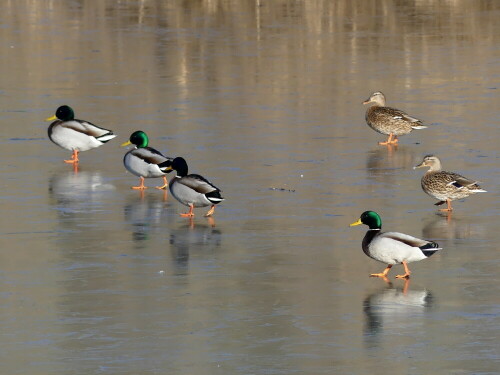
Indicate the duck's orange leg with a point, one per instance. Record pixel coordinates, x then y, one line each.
449 208
211 211
190 213
165 184
390 140
74 158
141 186
407 271
383 273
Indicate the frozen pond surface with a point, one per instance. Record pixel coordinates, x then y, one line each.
264 99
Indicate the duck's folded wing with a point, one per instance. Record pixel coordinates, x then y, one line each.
404 238
150 155
398 114
198 183
460 181
85 128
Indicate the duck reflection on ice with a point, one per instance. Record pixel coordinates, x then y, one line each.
144 213
78 192
381 162
394 309
190 237
449 226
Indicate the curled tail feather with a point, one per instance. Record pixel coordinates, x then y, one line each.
430 248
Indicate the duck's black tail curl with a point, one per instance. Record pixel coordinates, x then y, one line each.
214 196
430 248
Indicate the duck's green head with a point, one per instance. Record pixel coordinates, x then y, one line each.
138 138
370 218
63 113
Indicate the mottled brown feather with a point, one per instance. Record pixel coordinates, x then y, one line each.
387 120
438 184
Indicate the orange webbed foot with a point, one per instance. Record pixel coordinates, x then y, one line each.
405 276
74 158
164 186
210 212
392 140
382 274
141 186
189 213
407 271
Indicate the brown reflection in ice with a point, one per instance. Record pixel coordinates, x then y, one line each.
452 226
383 163
394 309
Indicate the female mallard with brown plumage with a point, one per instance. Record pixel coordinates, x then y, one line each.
445 186
392 247
389 121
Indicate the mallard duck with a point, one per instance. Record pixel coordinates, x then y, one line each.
445 186
144 161
193 190
76 135
389 121
392 247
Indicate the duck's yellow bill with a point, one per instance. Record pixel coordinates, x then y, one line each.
51 118
126 143
356 223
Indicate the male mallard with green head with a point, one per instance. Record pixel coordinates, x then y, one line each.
389 121
144 161
76 135
445 186
392 247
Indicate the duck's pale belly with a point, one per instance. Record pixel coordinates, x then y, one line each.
187 196
73 140
389 251
141 168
